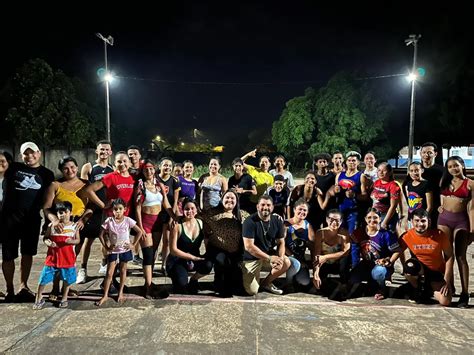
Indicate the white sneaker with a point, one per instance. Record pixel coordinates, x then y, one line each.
103 270
81 276
272 289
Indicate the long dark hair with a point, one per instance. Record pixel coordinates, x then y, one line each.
236 210
447 177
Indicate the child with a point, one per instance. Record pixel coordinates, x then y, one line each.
279 194
60 258
118 246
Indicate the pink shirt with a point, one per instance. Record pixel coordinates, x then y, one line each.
119 233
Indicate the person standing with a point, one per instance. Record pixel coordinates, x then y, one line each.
25 185
433 173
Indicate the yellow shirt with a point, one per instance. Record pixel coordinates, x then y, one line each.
263 180
78 206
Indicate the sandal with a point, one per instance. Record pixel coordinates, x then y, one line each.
53 298
63 304
379 297
39 305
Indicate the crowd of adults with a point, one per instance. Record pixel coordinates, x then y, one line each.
338 234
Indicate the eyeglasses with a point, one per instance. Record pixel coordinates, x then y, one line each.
331 220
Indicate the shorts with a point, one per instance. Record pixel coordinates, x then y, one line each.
150 222
251 274
122 257
454 220
19 229
92 227
164 217
48 273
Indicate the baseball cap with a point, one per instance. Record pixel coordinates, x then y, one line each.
279 178
28 145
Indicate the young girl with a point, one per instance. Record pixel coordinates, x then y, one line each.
60 258
118 246
417 190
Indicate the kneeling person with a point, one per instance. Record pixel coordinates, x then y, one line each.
432 257
261 232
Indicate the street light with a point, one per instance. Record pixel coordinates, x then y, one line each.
108 78
412 39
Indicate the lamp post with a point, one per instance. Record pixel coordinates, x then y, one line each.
107 77
412 39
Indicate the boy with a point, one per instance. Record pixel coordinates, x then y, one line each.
279 194
60 258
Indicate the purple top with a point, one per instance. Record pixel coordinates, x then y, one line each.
188 188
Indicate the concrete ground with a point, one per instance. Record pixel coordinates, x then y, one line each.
293 323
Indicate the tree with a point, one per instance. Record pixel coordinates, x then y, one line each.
45 109
293 132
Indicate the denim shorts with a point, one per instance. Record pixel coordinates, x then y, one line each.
122 257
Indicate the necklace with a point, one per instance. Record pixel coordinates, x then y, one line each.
265 231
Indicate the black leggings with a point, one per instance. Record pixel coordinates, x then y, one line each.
227 274
178 272
340 267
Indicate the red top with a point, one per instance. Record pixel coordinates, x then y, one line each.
63 255
461 192
428 248
117 186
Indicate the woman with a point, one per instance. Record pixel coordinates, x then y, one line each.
386 196
185 242
188 184
309 192
417 190
243 184
223 226
374 251
299 237
5 160
212 185
279 164
150 200
331 250
456 216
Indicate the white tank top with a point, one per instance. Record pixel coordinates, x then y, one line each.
152 198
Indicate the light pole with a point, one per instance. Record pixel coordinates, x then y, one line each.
412 39
107 77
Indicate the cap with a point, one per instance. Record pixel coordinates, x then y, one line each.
28 145
353 153
279 178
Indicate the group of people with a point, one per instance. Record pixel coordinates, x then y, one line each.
341 231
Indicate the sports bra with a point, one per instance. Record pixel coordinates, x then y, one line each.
152 198
461 192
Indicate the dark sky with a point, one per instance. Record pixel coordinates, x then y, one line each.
271 52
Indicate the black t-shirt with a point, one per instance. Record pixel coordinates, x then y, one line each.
246 182
265 234
417 195
280 200
434 175
25 187
315 214
171 185
324 182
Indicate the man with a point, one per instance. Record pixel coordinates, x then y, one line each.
325 179
432 258
93 172
433 174
261 232
135 171
25 183
337 160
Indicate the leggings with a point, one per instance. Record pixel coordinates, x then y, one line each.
178 271
298 274
227 273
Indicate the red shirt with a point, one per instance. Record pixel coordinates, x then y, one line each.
383 193
118 186
63 255
428 248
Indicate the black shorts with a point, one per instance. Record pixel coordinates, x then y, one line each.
92 227
164 217
19 229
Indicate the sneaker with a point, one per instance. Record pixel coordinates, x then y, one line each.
272 289
103 270
81 276
137 260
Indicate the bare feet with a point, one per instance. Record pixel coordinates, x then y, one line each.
121 298
101 301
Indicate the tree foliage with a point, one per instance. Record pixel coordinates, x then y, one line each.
45 108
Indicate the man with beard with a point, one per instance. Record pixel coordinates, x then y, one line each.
263 231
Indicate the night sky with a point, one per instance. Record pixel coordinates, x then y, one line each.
270 52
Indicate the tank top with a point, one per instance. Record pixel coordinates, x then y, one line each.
62 195
188 188
186 244
152 198
211 193
461 192
296 240
330 249
349 183
63 255
96 174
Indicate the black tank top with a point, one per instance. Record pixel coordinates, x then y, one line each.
96 174
186 244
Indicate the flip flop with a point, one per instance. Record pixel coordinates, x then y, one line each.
53 298
63 304
39 305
